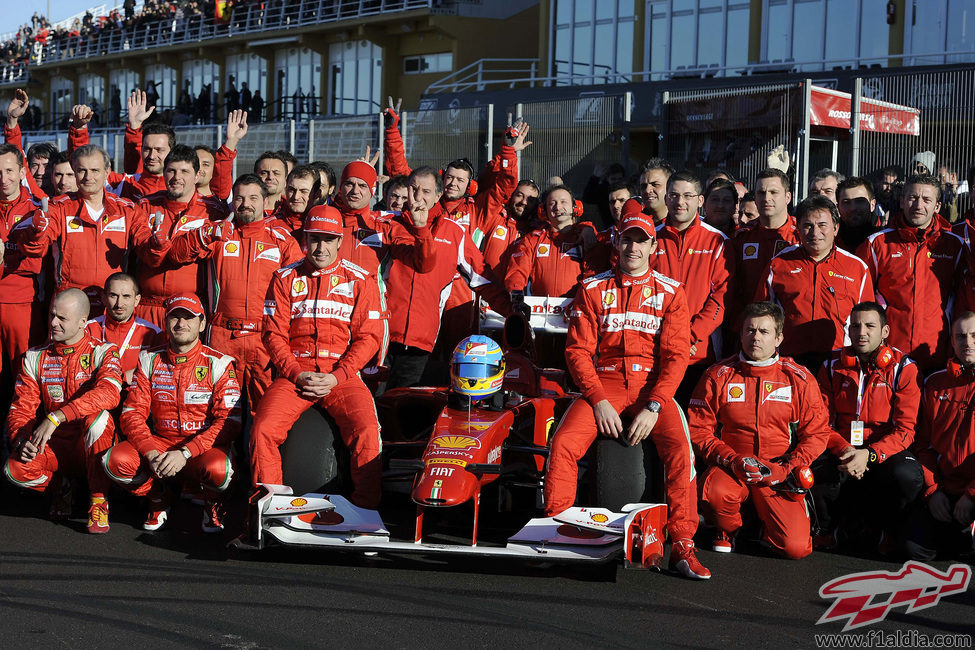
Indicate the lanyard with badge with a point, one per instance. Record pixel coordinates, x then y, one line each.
856 426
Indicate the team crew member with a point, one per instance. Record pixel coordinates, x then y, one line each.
634 321
522 206
872 395
92 231
302 191
145 150
856 203
40 153
721 205
182 210
179 419
242 260
416 299
824 183
653 187
946 449
120 326
273 170
915 267
773 232
767 410
322 324
692 252
59 423
19 280
552 260
816 284
62 176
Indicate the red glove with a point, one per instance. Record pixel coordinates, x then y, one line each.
40 221
746 469
778 473
512 132
220 231
390 118
159 235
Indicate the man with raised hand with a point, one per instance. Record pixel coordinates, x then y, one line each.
39 161
59 425
627 350
757 418
322 325
177 210
91 231
242 257
179 419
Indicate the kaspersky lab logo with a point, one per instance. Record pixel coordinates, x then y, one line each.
865 598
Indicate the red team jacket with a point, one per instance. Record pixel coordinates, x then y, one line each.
885 400
80 379
754 247
322 320
18 282
189 400
946 435
545 263
131 337
634 324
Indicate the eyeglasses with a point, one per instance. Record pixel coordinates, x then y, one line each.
673 196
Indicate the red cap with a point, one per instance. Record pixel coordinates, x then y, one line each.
360 169
188 301
324 219
638 220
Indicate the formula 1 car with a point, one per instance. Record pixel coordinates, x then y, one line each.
447 453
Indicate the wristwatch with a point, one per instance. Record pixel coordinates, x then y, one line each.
872 458
653 406
186 453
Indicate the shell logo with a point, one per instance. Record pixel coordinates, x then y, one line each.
543 249
609 298
297 503
751 249
299 285
74 224
500 232
455 442
599 518
231 247
736 392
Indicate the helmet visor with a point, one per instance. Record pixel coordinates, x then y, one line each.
476 370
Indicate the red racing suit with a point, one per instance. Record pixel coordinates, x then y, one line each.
86 251
175 401
886 400
160 276
817 298
416 300
627 343
547 263
771 411
946 433
325 321
754 247
293 223
698 259
83 381
914 275
19 290
239 273
131 337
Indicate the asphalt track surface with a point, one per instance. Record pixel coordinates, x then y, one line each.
179 588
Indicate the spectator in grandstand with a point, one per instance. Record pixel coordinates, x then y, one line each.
301 193
552 260
627 354
272 169
915 266
415 298
177 210
872 394
653 186
257 106
720 205
772 233
245 97
752 411
942 521
816 284
824 183
855 200
693 253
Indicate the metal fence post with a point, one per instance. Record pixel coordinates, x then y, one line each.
625 135
311 140
490 132
518 154
382 151
855 127
802 171
291 136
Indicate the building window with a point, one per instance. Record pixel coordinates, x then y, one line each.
248 74
164 80
91 91
297 83
424 63
592 41
696 35
356 78
62 97
201 84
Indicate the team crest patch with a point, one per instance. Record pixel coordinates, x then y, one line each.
55 393
200 372
776 392
86 361
749 252
781 246
475 349
736 392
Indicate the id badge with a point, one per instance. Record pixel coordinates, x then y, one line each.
856 433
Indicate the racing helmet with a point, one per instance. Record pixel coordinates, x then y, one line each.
477 367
